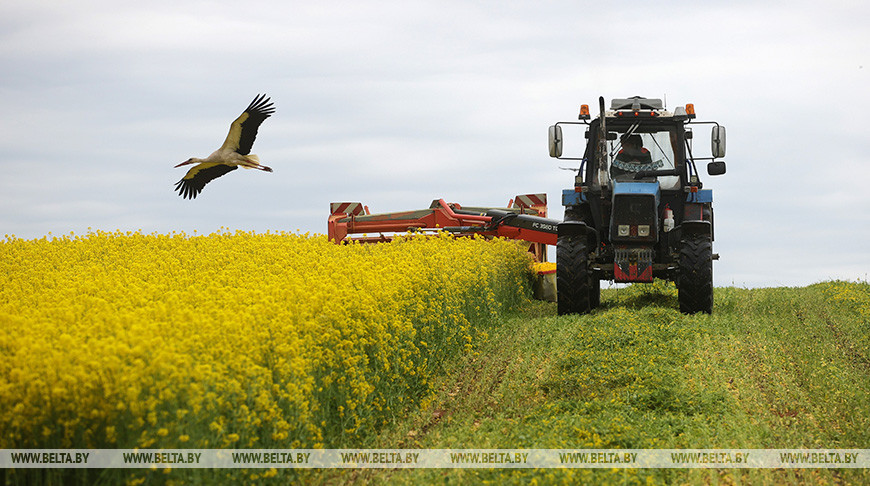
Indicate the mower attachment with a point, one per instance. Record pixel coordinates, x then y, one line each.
524 219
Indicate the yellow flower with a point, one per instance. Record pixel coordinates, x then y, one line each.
288 340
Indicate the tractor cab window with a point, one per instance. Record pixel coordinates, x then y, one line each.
636 149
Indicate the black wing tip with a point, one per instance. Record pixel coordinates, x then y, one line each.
186 190
261 105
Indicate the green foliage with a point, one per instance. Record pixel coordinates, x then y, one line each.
770 368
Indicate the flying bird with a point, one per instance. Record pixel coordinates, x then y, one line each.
235 152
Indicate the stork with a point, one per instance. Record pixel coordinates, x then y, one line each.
235 152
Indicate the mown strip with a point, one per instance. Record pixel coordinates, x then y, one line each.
771 368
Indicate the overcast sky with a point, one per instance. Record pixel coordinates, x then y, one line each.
395 104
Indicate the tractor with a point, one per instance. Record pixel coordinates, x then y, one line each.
637 210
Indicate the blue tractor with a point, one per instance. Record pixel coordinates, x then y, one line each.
638 210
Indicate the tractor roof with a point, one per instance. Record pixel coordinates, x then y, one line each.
640 108
636 103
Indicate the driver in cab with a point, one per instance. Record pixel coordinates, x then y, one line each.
631 159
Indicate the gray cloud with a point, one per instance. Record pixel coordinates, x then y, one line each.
397 103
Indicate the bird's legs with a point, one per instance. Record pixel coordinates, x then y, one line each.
253 164
261 167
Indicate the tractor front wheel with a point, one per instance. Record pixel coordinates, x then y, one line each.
695 282
573 282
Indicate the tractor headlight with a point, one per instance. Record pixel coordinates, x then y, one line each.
623 230
643 230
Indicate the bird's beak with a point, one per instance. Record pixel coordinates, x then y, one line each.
183 163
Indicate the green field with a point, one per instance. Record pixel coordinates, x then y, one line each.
771 368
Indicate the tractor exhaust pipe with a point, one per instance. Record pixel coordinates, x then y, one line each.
602 144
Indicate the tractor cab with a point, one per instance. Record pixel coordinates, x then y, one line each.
638 139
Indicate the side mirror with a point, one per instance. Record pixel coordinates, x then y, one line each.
555 137
716 168
717 141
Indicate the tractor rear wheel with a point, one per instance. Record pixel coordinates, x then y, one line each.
573 282
695 282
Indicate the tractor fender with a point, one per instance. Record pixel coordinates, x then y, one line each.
578 228
692 228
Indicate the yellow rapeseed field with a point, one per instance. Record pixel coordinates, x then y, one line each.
234 339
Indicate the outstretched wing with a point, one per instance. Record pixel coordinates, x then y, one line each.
198 176
243 131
